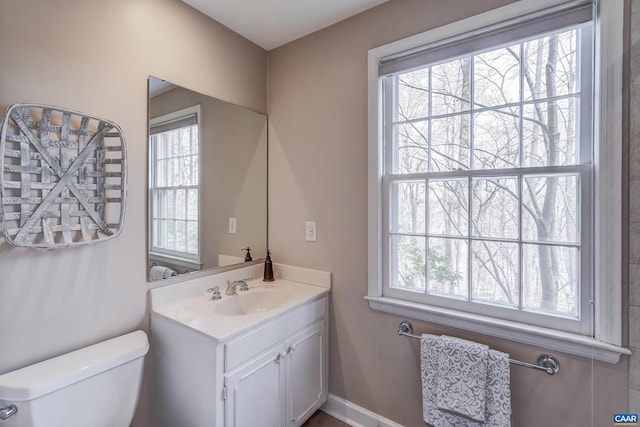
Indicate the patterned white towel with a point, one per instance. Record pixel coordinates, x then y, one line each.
497 391
159 272
429 355
462 378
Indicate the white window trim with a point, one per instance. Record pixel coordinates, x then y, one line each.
605 345
194 263
174 261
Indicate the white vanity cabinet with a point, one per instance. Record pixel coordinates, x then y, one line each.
281 386
267 372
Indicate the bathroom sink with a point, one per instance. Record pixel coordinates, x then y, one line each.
250 302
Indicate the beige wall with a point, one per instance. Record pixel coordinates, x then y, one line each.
95 56
318 171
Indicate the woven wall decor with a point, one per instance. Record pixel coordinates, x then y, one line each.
63 177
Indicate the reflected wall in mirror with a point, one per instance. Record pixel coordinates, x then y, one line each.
207 182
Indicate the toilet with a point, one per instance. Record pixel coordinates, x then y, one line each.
95 386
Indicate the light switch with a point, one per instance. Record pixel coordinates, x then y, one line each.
232 225
310 227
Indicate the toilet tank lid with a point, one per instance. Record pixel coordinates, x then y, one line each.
44 377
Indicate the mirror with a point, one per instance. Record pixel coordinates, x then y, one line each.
207 182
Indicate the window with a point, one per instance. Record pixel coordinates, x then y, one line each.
484 156
174 185
488 159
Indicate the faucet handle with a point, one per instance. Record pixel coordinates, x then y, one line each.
215 293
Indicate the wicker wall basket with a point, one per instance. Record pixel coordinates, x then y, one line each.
63 177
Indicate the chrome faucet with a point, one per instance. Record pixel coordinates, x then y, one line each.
231 287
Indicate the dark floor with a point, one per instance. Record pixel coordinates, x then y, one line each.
320 419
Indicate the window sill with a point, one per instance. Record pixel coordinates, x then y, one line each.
575 344
178 261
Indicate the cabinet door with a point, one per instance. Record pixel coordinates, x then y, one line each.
306 376
255 392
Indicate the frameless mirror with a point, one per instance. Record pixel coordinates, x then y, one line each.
207 182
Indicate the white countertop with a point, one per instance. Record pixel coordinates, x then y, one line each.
190 304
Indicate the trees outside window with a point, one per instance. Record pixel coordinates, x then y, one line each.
487 172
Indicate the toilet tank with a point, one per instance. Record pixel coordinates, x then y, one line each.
95 386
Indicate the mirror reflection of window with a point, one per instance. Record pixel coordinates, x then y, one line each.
228 159
175 185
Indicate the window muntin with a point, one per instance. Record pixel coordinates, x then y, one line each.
174 189
487 172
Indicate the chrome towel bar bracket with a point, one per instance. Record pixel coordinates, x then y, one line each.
546 362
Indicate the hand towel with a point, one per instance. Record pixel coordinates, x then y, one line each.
462 378
429 351
497 393
159 272
498 413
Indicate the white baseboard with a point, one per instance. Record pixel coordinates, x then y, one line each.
354 415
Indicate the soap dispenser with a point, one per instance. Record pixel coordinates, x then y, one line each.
268 268
247 257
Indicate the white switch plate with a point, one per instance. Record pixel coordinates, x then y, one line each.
232 225
310 227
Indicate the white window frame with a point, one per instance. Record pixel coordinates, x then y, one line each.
605 344
183 259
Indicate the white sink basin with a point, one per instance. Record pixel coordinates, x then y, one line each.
252 301
190 304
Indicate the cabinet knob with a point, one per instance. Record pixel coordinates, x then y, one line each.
280 356
291 349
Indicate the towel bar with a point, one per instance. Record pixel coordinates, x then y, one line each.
546 362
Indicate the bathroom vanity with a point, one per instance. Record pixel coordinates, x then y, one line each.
256 358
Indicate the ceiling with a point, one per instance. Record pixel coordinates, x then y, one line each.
272 23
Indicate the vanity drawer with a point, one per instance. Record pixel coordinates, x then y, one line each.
272 333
